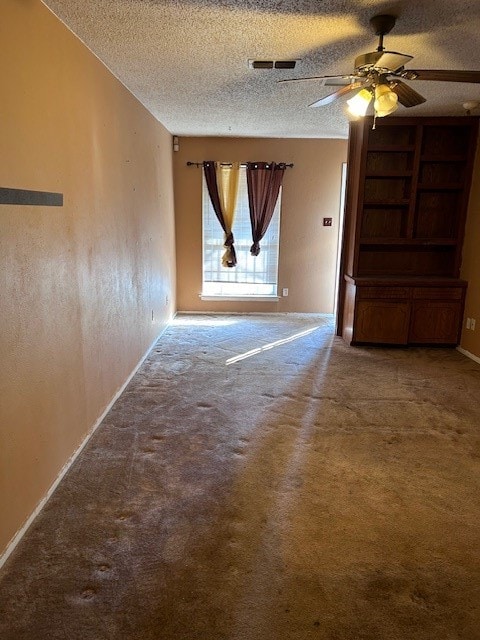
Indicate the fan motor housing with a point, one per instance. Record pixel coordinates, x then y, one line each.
381 62
368 61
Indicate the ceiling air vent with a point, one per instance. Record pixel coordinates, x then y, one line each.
272 64
285 64
260 64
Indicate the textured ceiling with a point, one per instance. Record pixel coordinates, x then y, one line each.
187 60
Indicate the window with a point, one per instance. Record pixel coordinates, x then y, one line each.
253 276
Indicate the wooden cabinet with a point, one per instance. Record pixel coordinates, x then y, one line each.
382 322
403 312
407 194
434 322
437 314
382 314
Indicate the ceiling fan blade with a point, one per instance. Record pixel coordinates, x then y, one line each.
337 94
341 81
326 79
406 95
442 75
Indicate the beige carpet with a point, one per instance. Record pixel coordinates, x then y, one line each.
308 490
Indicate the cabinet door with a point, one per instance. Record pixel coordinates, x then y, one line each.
382 322
435 322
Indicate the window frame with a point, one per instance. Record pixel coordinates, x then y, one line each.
266 246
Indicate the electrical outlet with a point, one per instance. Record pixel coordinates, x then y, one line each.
472 324
153 318
285 292
468 323
327 222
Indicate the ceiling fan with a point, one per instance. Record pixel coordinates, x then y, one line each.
379 75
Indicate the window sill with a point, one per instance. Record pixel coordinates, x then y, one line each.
241 298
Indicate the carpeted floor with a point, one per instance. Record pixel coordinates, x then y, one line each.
308 490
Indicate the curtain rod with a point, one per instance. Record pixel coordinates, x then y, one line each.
229 164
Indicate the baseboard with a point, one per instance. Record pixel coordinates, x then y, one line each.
468 354
21 532
253 313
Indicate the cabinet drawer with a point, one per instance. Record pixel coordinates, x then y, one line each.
383 293
438 293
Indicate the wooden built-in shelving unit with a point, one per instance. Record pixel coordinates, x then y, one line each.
407 195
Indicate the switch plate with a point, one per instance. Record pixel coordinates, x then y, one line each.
467 323
285 292
472 324
327 222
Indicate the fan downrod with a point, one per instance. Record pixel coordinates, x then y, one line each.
381 25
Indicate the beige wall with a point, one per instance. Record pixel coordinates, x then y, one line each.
78 283
307 250
471 264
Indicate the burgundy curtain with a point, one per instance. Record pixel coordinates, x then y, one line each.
212 186
264 180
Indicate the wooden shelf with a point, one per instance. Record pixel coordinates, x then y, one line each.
392 148
414 242
430 186
387 203
407 195
389 174
441 158
414 281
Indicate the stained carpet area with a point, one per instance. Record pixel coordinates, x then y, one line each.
260 480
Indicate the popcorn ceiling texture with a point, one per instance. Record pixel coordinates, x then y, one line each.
186 60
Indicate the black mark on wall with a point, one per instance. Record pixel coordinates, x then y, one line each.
25 196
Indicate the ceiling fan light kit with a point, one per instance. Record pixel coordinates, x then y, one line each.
469 105
381 74
386 101
358 105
